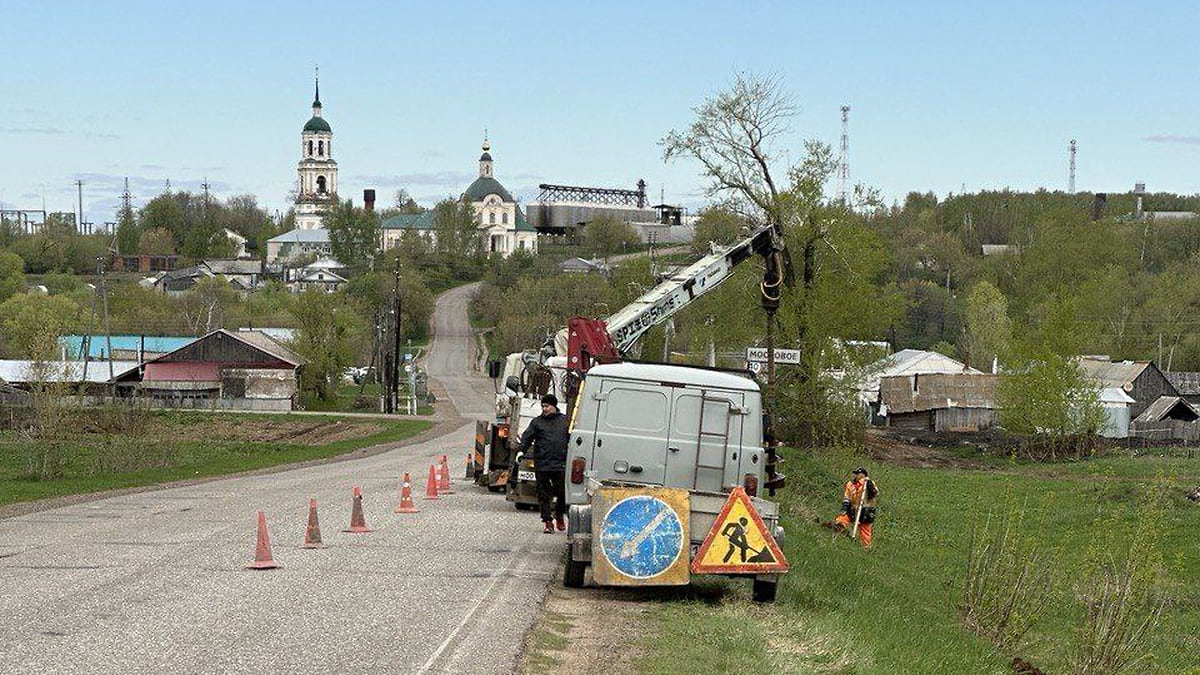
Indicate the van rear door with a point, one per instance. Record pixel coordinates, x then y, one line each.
706 439
632 431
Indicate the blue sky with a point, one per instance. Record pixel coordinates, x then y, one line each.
943 94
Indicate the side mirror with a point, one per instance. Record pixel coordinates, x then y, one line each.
494 368
513 384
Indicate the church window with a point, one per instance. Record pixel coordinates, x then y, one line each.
321 184
504 218
492 218
320 148
310 148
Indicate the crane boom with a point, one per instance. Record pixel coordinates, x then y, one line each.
673 294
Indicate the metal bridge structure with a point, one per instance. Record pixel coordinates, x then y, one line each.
591 195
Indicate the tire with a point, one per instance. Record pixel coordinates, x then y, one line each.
574 571
764 591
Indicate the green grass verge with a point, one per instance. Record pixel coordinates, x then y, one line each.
893 609
92 462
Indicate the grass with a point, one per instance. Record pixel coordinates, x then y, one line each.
179 445
893 609
348 394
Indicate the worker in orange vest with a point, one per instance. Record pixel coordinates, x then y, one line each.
859 498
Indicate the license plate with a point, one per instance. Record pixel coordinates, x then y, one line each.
526 475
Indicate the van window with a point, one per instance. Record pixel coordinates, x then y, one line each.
636 410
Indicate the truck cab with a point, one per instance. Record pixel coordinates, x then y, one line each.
655 425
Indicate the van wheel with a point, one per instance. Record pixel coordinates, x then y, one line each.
764 591
573 574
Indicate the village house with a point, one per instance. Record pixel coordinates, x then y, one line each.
939 401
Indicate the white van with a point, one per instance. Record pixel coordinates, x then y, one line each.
640 424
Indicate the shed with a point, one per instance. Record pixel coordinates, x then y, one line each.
1187 385
245 370
907 362
1169 408
1115 403
1142 380
939 401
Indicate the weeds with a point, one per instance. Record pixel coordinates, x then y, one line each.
1005 583
1124 599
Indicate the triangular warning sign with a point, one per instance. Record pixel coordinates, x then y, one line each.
739 542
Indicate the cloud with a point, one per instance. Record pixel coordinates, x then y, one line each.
99 135
30 195
1177 139
47 131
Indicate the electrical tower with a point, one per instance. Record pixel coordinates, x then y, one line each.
844 165
1071 173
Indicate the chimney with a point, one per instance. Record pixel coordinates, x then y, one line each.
1098 204
369 200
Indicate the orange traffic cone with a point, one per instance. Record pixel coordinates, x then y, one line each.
406 504
262 550
358 524
312 533
431 484
444 477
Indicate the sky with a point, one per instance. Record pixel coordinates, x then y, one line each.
944 96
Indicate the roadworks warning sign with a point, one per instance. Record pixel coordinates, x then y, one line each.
739 542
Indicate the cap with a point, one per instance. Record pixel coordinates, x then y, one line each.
550 399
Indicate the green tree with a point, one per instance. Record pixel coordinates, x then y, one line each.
988 333
32 324
720 225
327 335
12 274
457 229
155 240
606 236
353 235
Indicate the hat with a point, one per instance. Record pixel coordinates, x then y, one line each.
861 470
550 399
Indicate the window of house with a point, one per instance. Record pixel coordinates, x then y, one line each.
492 218
320 148
321 184
504 218
310 148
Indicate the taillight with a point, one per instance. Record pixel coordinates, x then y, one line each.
577 465
750 483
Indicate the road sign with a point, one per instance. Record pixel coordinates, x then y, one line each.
739 542
755 367
642 538
788 357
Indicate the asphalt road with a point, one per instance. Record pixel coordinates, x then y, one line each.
155 581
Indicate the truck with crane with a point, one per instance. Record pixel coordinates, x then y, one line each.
700 432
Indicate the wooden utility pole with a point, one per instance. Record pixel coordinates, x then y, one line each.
395 374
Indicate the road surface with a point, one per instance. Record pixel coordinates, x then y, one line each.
154 582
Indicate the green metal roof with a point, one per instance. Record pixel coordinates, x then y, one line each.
522 224
409 221
484 186
317 124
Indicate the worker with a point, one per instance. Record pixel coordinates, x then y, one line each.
547 433
859 486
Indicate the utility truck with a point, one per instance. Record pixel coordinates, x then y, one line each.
675 446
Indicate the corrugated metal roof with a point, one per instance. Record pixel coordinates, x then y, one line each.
24 372
238 266
1111 396
908 362
318 235
915 393
268 345
1169 407
98 347
1112 373
182 371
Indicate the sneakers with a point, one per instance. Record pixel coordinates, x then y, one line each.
549 528
561 523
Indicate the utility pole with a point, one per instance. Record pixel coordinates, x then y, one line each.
844 164
1071 172
79 221
396 340
107 326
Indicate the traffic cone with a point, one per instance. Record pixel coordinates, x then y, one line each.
431 484
358 524
262 550
312 533
444 477
406 504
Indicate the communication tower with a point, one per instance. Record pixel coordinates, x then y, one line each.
1071 173
844 165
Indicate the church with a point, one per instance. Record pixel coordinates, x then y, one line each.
502 225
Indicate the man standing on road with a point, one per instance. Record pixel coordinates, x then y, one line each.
547 433
860 490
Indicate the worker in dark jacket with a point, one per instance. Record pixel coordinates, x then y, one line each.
547 433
